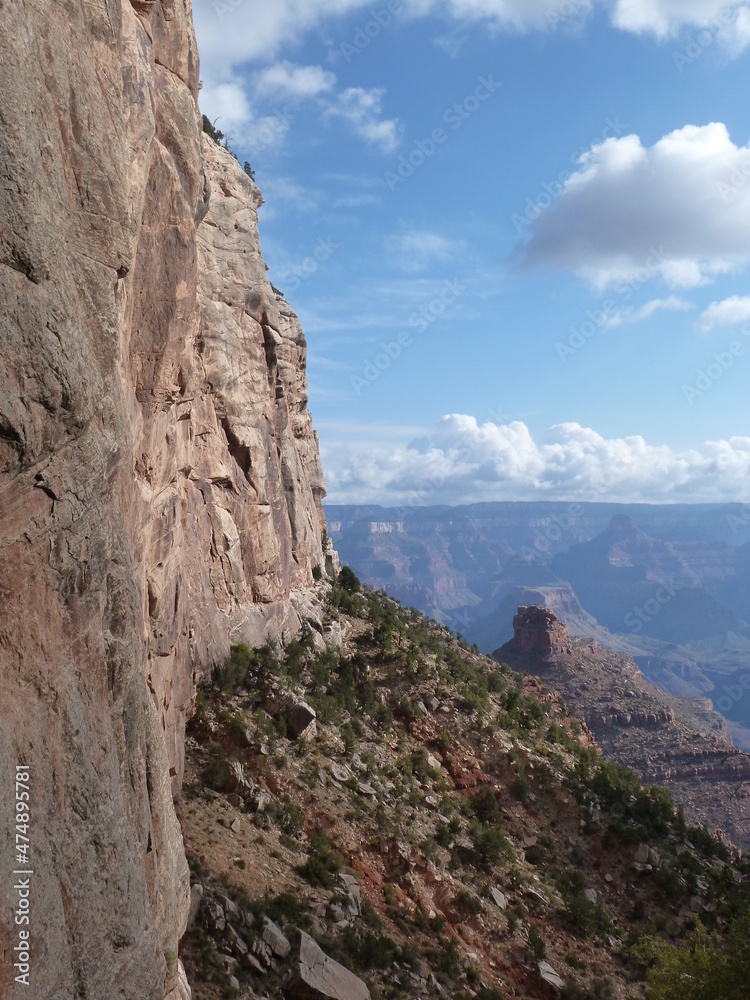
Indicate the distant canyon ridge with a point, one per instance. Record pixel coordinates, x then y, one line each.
669 585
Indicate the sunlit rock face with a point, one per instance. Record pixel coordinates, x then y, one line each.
160 486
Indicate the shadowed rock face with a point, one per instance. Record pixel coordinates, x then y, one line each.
159 478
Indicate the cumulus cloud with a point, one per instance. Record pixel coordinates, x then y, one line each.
729 312
362 108
296 81
631 210
462 461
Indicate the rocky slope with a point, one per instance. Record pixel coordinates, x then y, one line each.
668 585
679 743
160 486
440 826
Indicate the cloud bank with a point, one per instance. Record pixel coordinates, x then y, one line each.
461 461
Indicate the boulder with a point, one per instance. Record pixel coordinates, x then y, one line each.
238 783
499 899
298 715
550 977
318 977
641 854
196 898
214 916
351 887
275 939
230 908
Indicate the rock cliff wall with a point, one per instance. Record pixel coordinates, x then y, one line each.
160 486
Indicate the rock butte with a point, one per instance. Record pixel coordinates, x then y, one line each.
160 485
680 743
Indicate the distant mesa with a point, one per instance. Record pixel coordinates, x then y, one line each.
538 632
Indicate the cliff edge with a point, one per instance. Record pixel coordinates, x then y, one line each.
160 486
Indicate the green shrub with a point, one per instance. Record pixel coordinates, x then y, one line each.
706 967
211 131
369 949
234 671
291 818
489 842
216 772
323 863
485 806
536 943
520 786
585 917
348 581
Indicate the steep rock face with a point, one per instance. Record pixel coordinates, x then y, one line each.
159 480
227 467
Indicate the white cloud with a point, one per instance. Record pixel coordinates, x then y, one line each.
419 249
362 109
729 312
628 316
283 87
665 18
630 212
285 78
228 105
461 461
235 31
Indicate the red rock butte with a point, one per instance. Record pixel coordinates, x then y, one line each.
539 632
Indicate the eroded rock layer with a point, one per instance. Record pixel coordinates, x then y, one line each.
159 478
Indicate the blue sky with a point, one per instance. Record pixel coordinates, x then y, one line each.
517 233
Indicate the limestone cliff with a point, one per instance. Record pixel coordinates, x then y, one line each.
160 486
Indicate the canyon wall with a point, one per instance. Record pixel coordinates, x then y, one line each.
160 486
